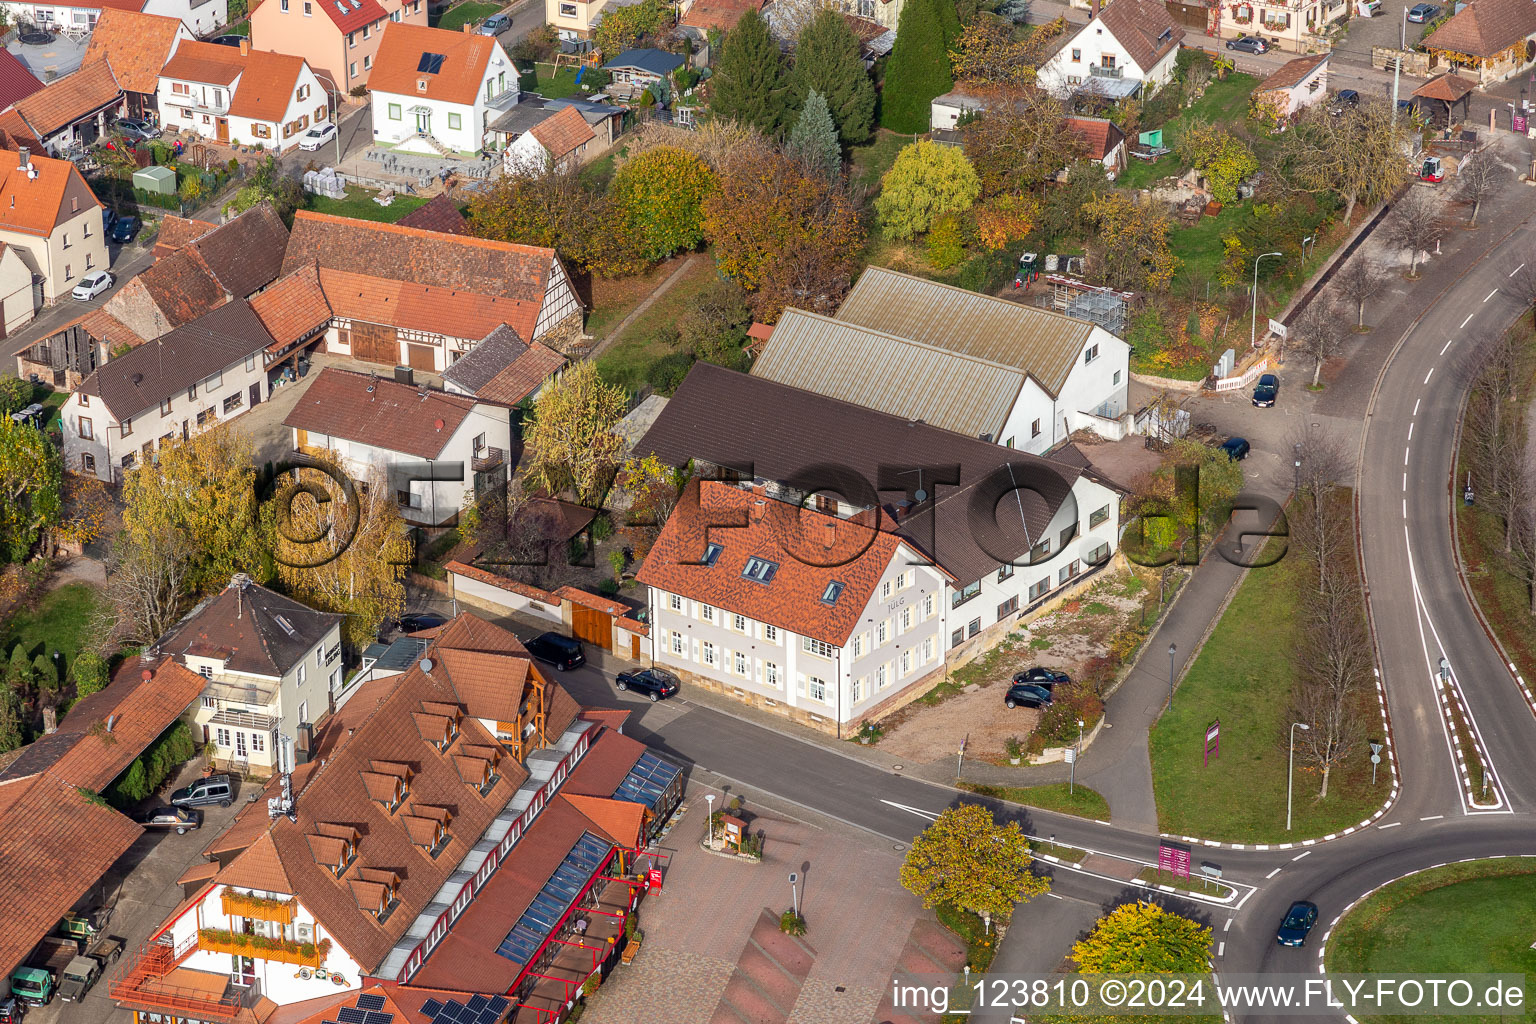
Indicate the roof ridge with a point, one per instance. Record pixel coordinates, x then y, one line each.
475 240
1000 302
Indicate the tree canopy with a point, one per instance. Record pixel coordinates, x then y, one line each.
966 859
918 68
553 208
659 196
926 181
31 479
828 61
813 139
748 84
1144 938
571 442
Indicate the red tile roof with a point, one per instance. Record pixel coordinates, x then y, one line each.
180 284
70 99
1293 72
422 307
204 62
1485 28
605 766
621 820
138 45
479 575
719 14
35 206
848 552
351 17
176 232
16 82
1449 87
440 213
371 410
1144 28
502 368
1099 135
293 308
467 56
267 85
564 133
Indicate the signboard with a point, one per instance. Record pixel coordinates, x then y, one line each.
735 828
653 878
1174 860
1519 122
1212 740
1277 328
1070 756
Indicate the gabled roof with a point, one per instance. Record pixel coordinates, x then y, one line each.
432 63
1485 28
412 420
138 45
142 378
35 206
1144 28
16 82
1449 88
1042 343
502 368
70 99
258 632
176 232
440 213
181 286
856 556
777 433
244 254
563 133
422 307
1294 72
293 308
352 15
396 253
657 62
100 326
880 371
1099 135
208 63
719 14
267 86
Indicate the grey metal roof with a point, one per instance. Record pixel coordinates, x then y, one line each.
890 374
1041 343
657 62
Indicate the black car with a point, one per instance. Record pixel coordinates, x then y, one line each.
557 650
125 230
1266 390
650 682
1237 448
1345 99
164 819
1297 924
1027 695
108 218
417 623
229 40
1248 44
1045 678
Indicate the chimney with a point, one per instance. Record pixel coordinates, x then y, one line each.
468 28
23 157
245 44
1095 8
758 508
829 535
50 720
760 489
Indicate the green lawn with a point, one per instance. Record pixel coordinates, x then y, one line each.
359 204
555 86
1224 101
627 361
58 623
1199 248
1472 918
874 158
1242 676
469 13
1084 802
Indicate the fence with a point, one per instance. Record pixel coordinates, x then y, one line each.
1243 379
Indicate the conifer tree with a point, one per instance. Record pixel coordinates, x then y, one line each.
827 60
813 139
748 85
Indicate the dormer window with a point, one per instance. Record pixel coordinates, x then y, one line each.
712 555
388 901
439 839
348 855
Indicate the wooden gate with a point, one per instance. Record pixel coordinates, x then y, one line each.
375 343
593 626
420 357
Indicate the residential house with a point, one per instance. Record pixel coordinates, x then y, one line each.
834 595
1295 25
1102 141
68 114
435 451
337 38
81 17
642 68
705 16
575 19
503 369
1020 376
438 91
407 297
1487 40
272 667
1128 48
440 213
237 95
1295 86
17 305
296 313
51 219
605 119
563 140
194 377
63 839
234 260
137 46
946 111
71 353
415 847
16 82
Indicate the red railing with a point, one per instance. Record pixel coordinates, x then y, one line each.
150 963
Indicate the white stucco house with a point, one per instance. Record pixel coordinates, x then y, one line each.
438 91
1015 375
1128 48
1296 85
240 96
201 16
432 448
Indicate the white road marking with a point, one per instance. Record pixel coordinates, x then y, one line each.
1428 375
1416 402
1406 451
1517 270
1273 873
1410 431
1447 345
1405 481
1054 896
1303 853
1437 817
1393 825
1405 508
1490 295
1221 949
1464 322
1228 926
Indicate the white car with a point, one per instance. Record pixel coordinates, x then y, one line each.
93 284
317 136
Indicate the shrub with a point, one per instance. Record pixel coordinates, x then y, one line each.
1072 702
791 923
945 246
666 374
358 91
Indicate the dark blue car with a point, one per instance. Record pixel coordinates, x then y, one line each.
1266 391
1297 924
1237 448
651 682
1027 695
125 230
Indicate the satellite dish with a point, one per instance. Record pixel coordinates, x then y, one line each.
426 664
919 495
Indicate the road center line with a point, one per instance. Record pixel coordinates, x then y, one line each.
1517 270
1490 295
1228 926
1405 508
1447 345
1416 402
1406 451
1437 817
1405 481
1221 949
1393 825
1464 322
1303 853
1273 873
1410 431
1428 375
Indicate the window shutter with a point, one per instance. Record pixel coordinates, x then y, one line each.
800 683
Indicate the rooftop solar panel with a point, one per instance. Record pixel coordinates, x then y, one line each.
350 1015
431 63
371 1001
379 1018
430 1008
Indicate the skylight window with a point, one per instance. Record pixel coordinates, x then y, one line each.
431 63
760 569
712 554
832 593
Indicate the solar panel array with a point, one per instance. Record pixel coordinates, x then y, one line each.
371 1001
364 1014
647 780
477 1010
525 938
431 63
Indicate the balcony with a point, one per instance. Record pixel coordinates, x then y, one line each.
194 102
504 100
259 947
257 908
152 979
1101 72
487 459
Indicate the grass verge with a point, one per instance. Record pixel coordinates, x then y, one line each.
1152 876
57 623
358 204
1070 854
981 942
1462 918
1082 801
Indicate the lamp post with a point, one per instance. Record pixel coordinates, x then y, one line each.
1173 649
1253 327
794 892
709 798
1290 773
1072 779
1397 64
1296 450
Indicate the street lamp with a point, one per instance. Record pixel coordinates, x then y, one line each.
709 798
1173 649
1253 328
1290 774
1072 779
1397 63
1296 488
794 892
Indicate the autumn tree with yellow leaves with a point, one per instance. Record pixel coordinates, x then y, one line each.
965 859
571 443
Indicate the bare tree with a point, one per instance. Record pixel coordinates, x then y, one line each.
1318 331
529 545
1360 280
1476 180
145 582
1522 281
1333 663
1495 437
1320 518
1415 225
1522 549
1357 156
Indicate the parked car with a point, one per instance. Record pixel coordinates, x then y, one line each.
557 650
495 25
135 128
108 218
317 136
1345 99
215 789
1420 13
1044 678
125 230
1266 391
164 819
1237 448
1248 44
1298 922
1027 695
229 40
12 1010
420 622
651 682
93 284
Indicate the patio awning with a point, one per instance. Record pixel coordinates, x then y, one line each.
1110 88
